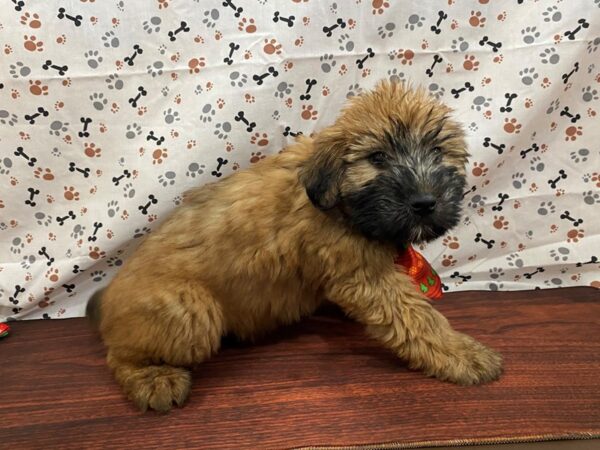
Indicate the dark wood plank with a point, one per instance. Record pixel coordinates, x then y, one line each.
315 383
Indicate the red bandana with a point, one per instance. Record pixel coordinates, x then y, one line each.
423 275
4 329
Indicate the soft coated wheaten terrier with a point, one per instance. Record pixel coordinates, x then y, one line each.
265 246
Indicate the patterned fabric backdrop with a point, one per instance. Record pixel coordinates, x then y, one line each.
109 111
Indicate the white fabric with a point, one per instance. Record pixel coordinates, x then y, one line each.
192 97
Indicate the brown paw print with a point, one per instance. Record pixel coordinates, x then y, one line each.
220 103
476 19
500 223
195 64
343 69
479 169
8 49
451 242
512 126
308 113
218 35
448 261
325 91
32 44
96 253
256 157
191 144
235 166
299 42
572 133
159 155
260 139
305 21
471 63
52 275
405 56
379 6
575 234
33 20
502 16
91 150
61 39
249 98
528 103
70 193
271 46
247 25
44 174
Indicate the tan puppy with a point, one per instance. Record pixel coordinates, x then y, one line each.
265 246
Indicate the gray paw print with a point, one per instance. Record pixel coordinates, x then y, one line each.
528 75
353 90
284 88
17 245
162 49
536 164
546 208
477 201
7 118
19 70
113 208
275 115
591 197
459 45
168 179
436 90
110 40
549 56
387 30
139 232
552 14
114 82
496 272
114 261
132 130
327 63
57 127
5 166
345 44
121 5
93 58
495 286
473 126
78 231
97 275
238 79
27 261
199 89
222 130
210 18
152 25
156 68
561 253
171 116
553 282
589 94
177 200
414 21
98 100
42 218
518 180
480 102
580 155
530 34
165 91
128 191
207 112
395 76
554 105
195 169
592 46
514 260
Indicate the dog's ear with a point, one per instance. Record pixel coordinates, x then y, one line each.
322 174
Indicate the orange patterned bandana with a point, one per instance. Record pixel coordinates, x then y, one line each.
423 275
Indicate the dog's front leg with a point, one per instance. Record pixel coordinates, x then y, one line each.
397 315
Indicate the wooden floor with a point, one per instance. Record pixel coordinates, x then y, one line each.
321 382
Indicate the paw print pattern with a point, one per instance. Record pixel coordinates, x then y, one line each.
102 148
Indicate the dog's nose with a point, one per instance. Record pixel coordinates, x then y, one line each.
423 204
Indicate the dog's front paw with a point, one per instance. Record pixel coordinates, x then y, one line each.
465 361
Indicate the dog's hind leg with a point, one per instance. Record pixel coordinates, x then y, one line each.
399 317
153 344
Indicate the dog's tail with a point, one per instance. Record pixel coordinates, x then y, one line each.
92 310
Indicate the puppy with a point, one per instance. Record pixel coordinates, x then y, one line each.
265 246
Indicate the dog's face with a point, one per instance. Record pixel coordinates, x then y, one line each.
393 164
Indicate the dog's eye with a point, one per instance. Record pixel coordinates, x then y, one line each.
437 150
377 158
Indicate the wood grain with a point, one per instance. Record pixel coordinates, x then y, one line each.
320 382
